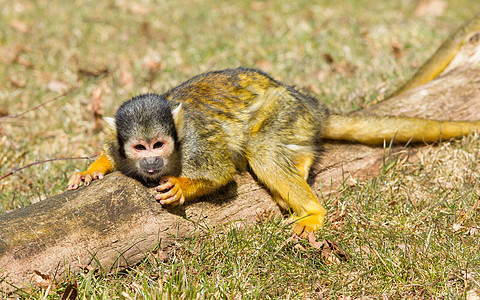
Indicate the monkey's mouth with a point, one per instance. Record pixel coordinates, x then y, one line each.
152 172
151 166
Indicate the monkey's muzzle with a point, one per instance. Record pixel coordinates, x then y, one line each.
151 165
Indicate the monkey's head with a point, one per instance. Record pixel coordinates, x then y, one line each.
147 138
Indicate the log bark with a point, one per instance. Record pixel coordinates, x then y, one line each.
116 221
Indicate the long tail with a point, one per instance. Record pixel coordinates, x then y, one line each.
374 130
442 57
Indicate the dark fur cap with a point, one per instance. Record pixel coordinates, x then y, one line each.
144 117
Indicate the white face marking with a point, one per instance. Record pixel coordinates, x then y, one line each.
139 148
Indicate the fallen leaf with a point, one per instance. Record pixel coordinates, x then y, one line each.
259 5
17 82
433 8
97 71
474 231
24 62
42 280
363 251
299 247
264 65
139 9
146 29
456 227
328 58
57 86
19 26
330 251
152 61
337 218
397 49
71 292
313 242
473 294
293 237
126 79
96 107
343 67
3 111
266 215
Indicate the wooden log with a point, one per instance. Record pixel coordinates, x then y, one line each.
116 221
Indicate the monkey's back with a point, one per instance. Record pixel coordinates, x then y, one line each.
240 109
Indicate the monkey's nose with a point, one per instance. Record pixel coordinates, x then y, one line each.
151 164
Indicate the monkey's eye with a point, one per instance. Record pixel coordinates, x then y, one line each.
158 145
139 147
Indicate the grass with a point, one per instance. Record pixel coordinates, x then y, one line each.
412 232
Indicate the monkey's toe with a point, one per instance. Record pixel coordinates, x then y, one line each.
304 225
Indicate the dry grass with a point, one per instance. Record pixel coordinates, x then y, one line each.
411 232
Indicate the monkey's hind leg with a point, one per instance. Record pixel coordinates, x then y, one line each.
286 180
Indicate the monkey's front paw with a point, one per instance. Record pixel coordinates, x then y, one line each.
169 192
86 177
304 225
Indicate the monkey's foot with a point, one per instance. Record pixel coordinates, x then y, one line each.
86 177
304 225
169 192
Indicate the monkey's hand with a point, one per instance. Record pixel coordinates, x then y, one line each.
310 223
97 170
86 177
169 192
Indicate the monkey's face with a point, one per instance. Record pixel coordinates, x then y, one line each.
150 158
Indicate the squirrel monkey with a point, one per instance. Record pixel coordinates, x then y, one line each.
191 140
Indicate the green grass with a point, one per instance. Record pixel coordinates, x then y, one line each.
412 232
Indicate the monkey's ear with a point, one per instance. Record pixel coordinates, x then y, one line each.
111 123
177 114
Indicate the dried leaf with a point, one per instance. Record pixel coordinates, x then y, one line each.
328 58
94 71
266 215
299 247
473 294
397 49
313 242
139 9
264 65
42 280
152 61
17 82
337 217
259 5
24 62
19 26
363 251
146 29
330 251
293 237
126 79
433 8
456 227
57 86
162 255
71 292
96 107
3 111
402 247
474 231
